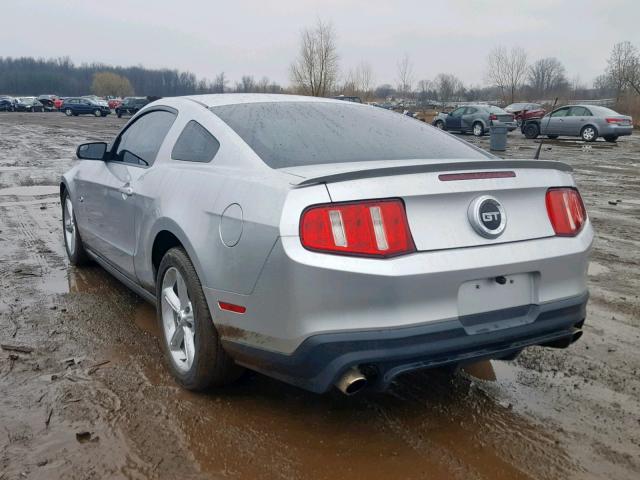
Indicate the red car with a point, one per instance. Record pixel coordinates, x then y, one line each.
57 103
114 103
526 111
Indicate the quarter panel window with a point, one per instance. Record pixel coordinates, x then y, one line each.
144 138
195 144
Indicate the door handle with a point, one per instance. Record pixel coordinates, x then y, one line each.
126 190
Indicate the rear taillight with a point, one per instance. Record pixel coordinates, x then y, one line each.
377 228
615 120
493 117
566 211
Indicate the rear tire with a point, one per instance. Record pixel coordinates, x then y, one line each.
478 129
97 112
440 124
589 133
531 130
68 112
197 360
611 138
72 241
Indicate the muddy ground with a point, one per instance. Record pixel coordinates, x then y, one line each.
93 400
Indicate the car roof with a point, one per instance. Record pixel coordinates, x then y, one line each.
219 99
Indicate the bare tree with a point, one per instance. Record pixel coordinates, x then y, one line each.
633 74
315 70
246 85
220 83
622 67
506 69
426 90
359 81
448 87
546 75
405 75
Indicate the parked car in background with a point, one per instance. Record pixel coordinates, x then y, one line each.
48 102
84 106
96 99
262 225
585 121
57 103
114 103
7 103
475 119
131 105
28 104
525 111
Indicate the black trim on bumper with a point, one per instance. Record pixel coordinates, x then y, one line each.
321 359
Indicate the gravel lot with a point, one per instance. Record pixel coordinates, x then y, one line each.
92 399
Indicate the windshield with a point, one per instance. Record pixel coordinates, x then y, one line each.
290 134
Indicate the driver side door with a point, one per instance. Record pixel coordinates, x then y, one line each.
555 123
110 197
454 119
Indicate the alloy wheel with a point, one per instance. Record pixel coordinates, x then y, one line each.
477 129
177 319
588 134
69 226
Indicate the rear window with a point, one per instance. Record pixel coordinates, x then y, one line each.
495 110
290 134
598 110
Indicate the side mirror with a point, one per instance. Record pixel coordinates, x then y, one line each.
92 151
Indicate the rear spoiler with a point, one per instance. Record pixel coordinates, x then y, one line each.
435 167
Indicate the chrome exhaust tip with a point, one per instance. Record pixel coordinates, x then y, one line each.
576 335
352 381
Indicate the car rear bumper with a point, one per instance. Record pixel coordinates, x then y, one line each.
320 361
300 295
616 130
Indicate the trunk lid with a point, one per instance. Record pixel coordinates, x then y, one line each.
438 204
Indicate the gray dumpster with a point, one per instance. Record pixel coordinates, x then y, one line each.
498 137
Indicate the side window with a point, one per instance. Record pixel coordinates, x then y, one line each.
470 111
457 112
195 144
580 112
560 113
139 144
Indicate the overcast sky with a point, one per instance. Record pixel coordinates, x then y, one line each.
261 37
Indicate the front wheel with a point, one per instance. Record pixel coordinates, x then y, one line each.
440 124
531 130
478 129
190 341
72 241
589 133
97 112
68 112
611 138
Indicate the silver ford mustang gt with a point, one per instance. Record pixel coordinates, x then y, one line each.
327 243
